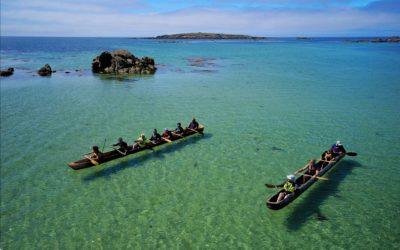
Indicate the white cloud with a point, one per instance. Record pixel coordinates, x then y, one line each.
96 20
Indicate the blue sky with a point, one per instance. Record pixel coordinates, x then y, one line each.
140 18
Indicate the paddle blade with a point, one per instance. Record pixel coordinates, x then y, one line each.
270 185
167 140
93 162
351 153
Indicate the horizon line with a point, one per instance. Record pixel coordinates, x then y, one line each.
155 37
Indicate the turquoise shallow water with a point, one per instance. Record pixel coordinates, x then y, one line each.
268 107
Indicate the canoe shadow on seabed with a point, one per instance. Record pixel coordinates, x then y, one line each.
138 160
309 206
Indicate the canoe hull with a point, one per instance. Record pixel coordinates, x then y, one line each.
114 154
271 202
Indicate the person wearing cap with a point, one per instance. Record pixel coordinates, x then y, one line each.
123 146
289 187
312 169
338 149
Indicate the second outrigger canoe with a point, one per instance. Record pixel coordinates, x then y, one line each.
272 202
114 154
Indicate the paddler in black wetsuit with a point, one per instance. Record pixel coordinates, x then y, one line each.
155 137
123 146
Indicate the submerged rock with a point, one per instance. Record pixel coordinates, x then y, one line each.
45 70
122 62
7 72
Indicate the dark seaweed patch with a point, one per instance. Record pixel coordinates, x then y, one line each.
201 62
277 149
204 71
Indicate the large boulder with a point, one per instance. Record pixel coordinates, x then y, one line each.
105 59
123 53
45 70
122 62
7 72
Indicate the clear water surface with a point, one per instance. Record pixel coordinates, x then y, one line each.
267 106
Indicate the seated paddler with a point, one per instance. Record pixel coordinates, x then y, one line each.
326 157
95 155
179 130
123 146
312 169
289 187
155 137
193 124
140 142
167 134
338 149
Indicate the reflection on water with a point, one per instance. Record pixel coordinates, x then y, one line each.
151 154
308 208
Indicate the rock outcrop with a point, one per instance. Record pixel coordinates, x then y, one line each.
203 35
7 72
122 62
45 70
394 39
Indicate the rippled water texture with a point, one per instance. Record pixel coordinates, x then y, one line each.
267 107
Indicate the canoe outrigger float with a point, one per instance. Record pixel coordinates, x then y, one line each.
272 202
115 154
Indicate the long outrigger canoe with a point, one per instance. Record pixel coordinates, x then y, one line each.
115 154
272 202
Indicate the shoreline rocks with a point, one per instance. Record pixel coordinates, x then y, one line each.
7 72
394 39
122 62
45 70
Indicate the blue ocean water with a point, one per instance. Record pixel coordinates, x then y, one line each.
267 106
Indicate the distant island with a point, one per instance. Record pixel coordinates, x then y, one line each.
394 39
202 35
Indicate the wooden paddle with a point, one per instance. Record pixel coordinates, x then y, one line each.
154 143
177 134
320 178
104 144
120 151
351 153
91 160
277 186
327 161
271 186
196 131
167 140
